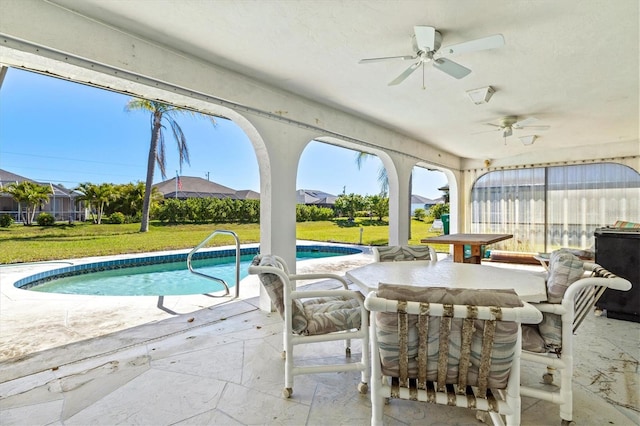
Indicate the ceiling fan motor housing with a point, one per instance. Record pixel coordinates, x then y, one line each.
509 121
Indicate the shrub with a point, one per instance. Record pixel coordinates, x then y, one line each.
438 210
6 221
419 214
322 213
136 218
306 213
172 211
116 218
46 219
303 213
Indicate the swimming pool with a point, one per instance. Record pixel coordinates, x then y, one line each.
159 275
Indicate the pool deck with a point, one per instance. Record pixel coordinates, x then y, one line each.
67 359
32 321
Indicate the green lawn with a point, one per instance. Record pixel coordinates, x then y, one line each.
20 243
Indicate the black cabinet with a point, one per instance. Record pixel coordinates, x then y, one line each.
618 250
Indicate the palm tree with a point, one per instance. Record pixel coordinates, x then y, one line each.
130 197
32 194
97 196
383 179
161 112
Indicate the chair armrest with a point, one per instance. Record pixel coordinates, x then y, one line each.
615 283
574 289
552 308
299 277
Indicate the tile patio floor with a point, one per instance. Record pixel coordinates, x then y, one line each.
221 365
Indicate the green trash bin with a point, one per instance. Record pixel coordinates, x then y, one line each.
445 223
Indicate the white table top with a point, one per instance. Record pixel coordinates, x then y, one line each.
528 285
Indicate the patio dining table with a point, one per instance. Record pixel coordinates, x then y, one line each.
476 241
529 286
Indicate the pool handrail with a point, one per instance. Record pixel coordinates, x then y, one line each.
220 280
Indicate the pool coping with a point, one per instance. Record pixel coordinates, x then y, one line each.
39 278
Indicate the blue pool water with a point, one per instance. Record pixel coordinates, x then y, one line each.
163 277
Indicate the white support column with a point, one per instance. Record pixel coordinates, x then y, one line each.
278 174
399 174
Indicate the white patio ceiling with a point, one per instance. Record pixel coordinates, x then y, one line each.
573 64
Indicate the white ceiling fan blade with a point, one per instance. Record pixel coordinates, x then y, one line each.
386 58
486 131
525 122
534 127
484 43
452 68
498 128
405 74
425 37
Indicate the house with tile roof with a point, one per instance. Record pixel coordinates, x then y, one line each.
61 203
184 187
315 197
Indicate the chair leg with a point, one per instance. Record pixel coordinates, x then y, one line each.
377 402
566 394
365 359
288 367
515 403
365 375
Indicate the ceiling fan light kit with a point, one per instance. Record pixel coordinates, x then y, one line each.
482 95
426 47
528 140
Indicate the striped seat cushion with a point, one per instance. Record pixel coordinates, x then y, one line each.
505 338
310 316
274 286
329 314
402 253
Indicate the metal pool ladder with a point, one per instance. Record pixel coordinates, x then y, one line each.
220 280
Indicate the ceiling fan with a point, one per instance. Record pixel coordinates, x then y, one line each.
510 123
426 46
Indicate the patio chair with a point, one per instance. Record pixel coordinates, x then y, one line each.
573 288
402 253
313 316
453 347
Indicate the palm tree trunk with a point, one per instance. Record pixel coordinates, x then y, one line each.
100 207
151 164
30 214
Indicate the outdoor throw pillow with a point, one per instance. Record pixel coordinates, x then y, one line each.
564 269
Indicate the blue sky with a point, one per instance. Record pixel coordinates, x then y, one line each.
57 131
